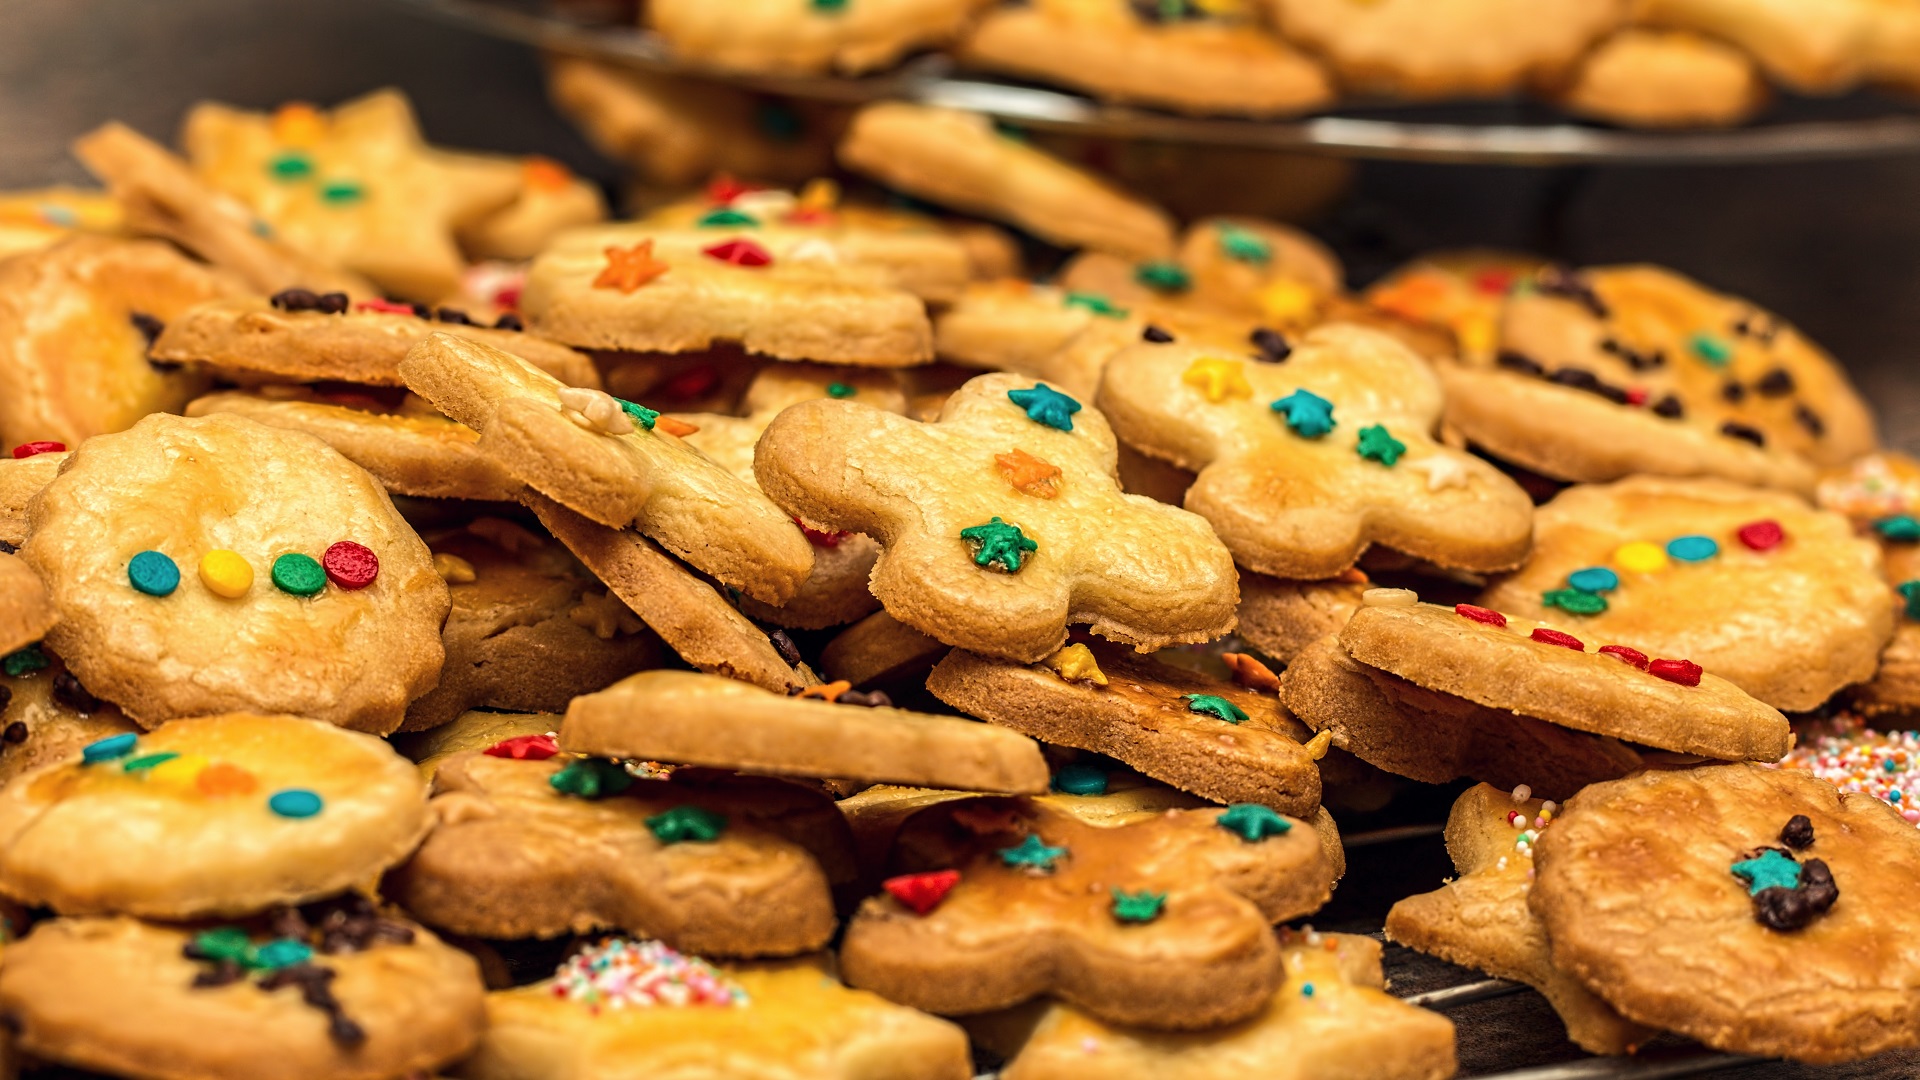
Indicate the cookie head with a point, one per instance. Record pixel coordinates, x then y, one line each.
211 564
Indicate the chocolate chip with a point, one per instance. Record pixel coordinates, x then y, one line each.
1733 429
1669 407
333 303
1775 383
16 732
1809 420
1271 344
148 326
1733 391
1155 334
452 315
876 699
68 692
6 697
7 548
1582 379
287 922
316 989
300 300
509 321
784 645
1555 281
1798 833
1785 909
1514 361
222 973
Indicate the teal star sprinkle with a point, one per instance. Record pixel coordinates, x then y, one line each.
591 778
1900 528
640 413
1768 870
1033 853
1080 780
998 542
1376 445
1045 405
1307 413
1910 590
1253 822
1215 706
1139 907
1245 245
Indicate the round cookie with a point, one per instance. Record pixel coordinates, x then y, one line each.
25 611
1653 78
169 491
218 815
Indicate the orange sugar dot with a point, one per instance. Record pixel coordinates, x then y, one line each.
221 778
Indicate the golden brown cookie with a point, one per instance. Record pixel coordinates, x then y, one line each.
47 715
552 199
26 611
476 730
799 36
1881 492
1282 618
880 649
21 478
1459 292
41 217
1241 266
1814 48
1664 78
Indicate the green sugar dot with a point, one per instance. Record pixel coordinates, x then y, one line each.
1163 276
298 574
1575 601
291 167
342 191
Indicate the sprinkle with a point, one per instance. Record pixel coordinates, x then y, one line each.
1910 592
825 691
597 410
1641 557
1045 405
281 952
1684 672
1521 793
342 191
687 822
1306 990
222 778
43 446
628 269
1244 245
297 124
1714 350
620 973
1693 548
1215 706
591 778
1028 474
1900 528
1218 379
1080 780
1442 471
181 772
453 569
381 307
350 565
226 573
1855 758
1318 746
1033 854
1377 445
1163 276
22 661
1594 579
1307 414
1287 301
524 748
998 543
1480 614
147 761
840 390
1555 637
921 893
295 803
639 414
1768 870
1076 663
545 174
723 189
1253 822
1625 654
290 166
1574 601
725 216
1249 672
111 748
1767 535
153 573
298 574
739 252
1137 907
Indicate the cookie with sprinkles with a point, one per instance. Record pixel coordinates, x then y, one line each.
1459 292
525 734
47 715
1703 901
30 467
806 36
1616 371
373 997
1880 493
26 612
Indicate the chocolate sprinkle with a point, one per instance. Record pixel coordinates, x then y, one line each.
784 645
1733 429
222 973
1733 391
8 548
16 732
1669 407
1791 909
1775 383
315 983
295 300
1798 833
1514 361
333 303
1555 281
453 315
1582 379
1156 335
1809 420
876 699
1273 347
509 321
68 691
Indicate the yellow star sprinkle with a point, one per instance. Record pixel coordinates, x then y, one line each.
1641 557
1218 379
1075 663
1288 302
1316 747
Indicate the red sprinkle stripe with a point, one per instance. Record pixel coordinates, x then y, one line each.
1684 672
723 189
922 892
524 748
29 449
388 306
1480 614
1625 655
1555 637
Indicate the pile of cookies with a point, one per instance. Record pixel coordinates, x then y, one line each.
445 632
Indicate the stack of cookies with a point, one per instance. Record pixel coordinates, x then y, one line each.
775 636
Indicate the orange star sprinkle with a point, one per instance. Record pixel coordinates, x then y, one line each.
827 691
629 268
674 427
1028 474
1251 673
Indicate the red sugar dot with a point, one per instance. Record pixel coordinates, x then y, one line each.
1636 395
1625 655
739 253
1480 614
350 566
1555 637
28 449
922 892
1762 535
1684 672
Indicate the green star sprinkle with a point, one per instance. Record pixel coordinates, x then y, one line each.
1080 780
1215 706
342 191
291 167
1244 245
591 778
1900 528
1032 853
1910 590
998 542
1575 601
1045 405
221 943
1307 413
724 216
641 415
841 390
1140 907
1376 445
1768 870
683 823
1163 275
1253 822
29 659
1714 350
1097 304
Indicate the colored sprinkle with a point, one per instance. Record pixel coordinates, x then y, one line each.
1163 276
1218 379
147 761
921 893
524 748
1076 663
1308 414
1555 637
1767 535
1693 548
22 661
1684 672
1575 601
640 414
591 778
291 166
829 7
726 216
350 565
1244 245
1594 579
342 191
739 252
1377 445
1032 853
226 573
1045 405
295 803
153 573
1853 757
1625 654
1900 528
1714 350
1138 907
1910 592
841 390
620 973
111 748
1306 990
282 952
1480 614
998 544
629 268
29 449
298 574
1253 822
1097 304
1768 870
1215 706
687 823
1641 557
1080 780
221 778
1028 474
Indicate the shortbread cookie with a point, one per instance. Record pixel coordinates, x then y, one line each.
1161 923
694 719
291 340
26 611
957 159
1656 78
1881 492
1198 734
1757 587
372 999
530 627
1814 48
47 715
220 815
618 464
622 1001
1449 48
1703 901
1610 372
151 542
1241 266
75 323
1002 522
551 200
1481 920
29 468
41 217
803 36
409 447
543 845
1461 292
1303 464
355 187
880 649
1329 1018
1187 57
477 730
1282 618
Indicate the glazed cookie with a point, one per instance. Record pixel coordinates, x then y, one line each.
618 464
1757 587
1656 78
1480 919
26 611
552 199
1460 292
1611 372
1282 618
1703 901
360 997
220 815
1331 1017
31 466
301 337
47 715
1199 734
1200 59
343 625
530 844
623 1000
356 187
803 36
1161 923
1817 48
75 323
1881 492
957 159
1455 48
828 731
1002 522
1303 464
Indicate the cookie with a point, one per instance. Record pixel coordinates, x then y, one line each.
293 340
1880 493
619 466
1757 587
1616 371
623 1000
161 197
377 999
1665 78
1198 734
475 730
1305 463
41 217
1811 48
1455 48
551 200
74 322
1480 919
957 159
21 478
47 715
219 815
1892 46
1242 266
529 629
1329 1018
1460 292
1282 618
26 612
1002 522
803 37
880 649
1703 902
696 719
342 623
1162 923
1202 60
541 845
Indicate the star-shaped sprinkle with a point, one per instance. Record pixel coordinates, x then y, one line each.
1253 822
1032 853
1028 474
1163 276
1215 706
1080 780
629 268
1045 405
591 778
1076 663
683 823
1244 245
1768 870
726 216
1910 592
1218 379
998 542
1900 528
1442 471
921 893
1137 907
1377 445
1307 413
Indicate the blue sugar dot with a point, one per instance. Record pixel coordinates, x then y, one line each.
153 573
109 748
295 803
1692 548
1594 579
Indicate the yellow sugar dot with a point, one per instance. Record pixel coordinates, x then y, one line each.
178 773
226 573
1641 556
1075 663
1218 379
1288 302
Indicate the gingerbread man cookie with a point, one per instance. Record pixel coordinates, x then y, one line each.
1242 266
1305 463
805 36
1002 522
